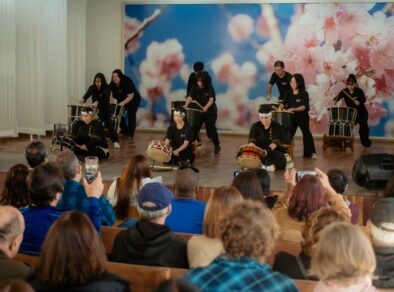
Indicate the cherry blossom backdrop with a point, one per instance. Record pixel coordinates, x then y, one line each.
239 43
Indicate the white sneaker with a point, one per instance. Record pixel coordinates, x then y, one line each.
270 168
116 145
314 156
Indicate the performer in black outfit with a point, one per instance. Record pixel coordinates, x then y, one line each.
124 91
282 80
355 98
88 135
297 101
100 92
197 67
267 134
179 137
204 94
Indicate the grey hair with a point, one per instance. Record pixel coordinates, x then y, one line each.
68 162
10 229
152 215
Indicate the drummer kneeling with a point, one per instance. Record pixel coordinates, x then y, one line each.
179 137
267 134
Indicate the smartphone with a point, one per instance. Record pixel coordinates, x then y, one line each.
300 174
237 172
91 168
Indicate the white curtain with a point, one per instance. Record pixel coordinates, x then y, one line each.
8 121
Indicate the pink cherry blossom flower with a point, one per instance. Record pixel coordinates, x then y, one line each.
376 111
240 27
262 26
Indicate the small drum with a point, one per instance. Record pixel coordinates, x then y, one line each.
285 119
249 156
68 143
342 120
159 151
194 117
116 114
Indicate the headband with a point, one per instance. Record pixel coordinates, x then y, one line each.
179 113
86 112
265 115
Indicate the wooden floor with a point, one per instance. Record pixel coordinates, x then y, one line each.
215 170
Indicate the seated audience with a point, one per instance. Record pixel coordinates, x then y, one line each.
150 242
123 190
265 182
36 153
45 185
381 227
338 181
248 233
344 260
202 249
301 199
12 226
74 194
187 214
73 259
296 267
15 187
176 285
389 191
249 186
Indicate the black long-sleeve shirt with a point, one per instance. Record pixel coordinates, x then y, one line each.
90 135
101 95
358 94
264 137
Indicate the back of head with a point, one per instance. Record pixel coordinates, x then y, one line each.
15 187
265 180
81 257
219 204
35 153
338 180
186 182
300 81
308 196
382 222
249 185
176 285
249 230
12 225
43 182
68 162
154 201
314 224
344 255
198 66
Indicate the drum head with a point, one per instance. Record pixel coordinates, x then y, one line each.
250 162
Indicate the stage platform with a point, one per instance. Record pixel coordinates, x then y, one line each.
215 170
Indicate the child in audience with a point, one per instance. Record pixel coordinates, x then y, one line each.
344 260
201 250
15 187
73 259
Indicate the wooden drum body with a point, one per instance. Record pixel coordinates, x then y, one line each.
249 156
159 151
285 119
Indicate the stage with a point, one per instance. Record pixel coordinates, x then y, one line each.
215 170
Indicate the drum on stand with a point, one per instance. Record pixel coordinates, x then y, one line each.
116 111
158 151
249 156
342 120
194 117
60 143
285 119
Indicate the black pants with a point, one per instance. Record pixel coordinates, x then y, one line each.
209 118
184 155
362 120
275 157
94 151
128 128
302 121
105 117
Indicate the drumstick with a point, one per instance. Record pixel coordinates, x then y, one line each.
197 103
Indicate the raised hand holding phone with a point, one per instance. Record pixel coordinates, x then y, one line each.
95 188
91 168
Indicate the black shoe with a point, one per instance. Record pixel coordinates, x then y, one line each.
217 149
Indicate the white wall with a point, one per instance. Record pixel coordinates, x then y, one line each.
103 38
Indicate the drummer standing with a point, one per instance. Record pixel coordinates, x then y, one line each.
355 98
282 80
179 137
267 134
203 94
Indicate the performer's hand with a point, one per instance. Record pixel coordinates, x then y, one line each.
204 109
82 147
356 102
176 152
95 104
81 102
269 97
281 107
96 188
290 110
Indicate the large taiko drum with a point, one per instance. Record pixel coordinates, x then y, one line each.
194 117
159 151
116 114
342 120
285 119
249 156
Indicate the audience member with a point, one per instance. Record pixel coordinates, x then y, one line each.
381 227
187 213
344 259
123 190
248 233
15 285
150 242
249 185
74 194
389 191
296 267
338 181
301 199
45 185
73 259
15 187
36 154
203 249
265 182
12 226
176 285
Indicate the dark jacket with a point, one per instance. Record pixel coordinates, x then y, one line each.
296 267
384 267
12 269
150 244
109 282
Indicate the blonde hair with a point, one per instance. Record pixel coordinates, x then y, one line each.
219 203
314 225
343 255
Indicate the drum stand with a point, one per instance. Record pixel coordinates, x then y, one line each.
342 142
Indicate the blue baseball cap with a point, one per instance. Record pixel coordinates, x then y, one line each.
154 197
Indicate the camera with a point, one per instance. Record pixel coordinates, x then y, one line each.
300 174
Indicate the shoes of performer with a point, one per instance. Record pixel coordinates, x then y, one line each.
270 168
217 149
116 145
314 156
